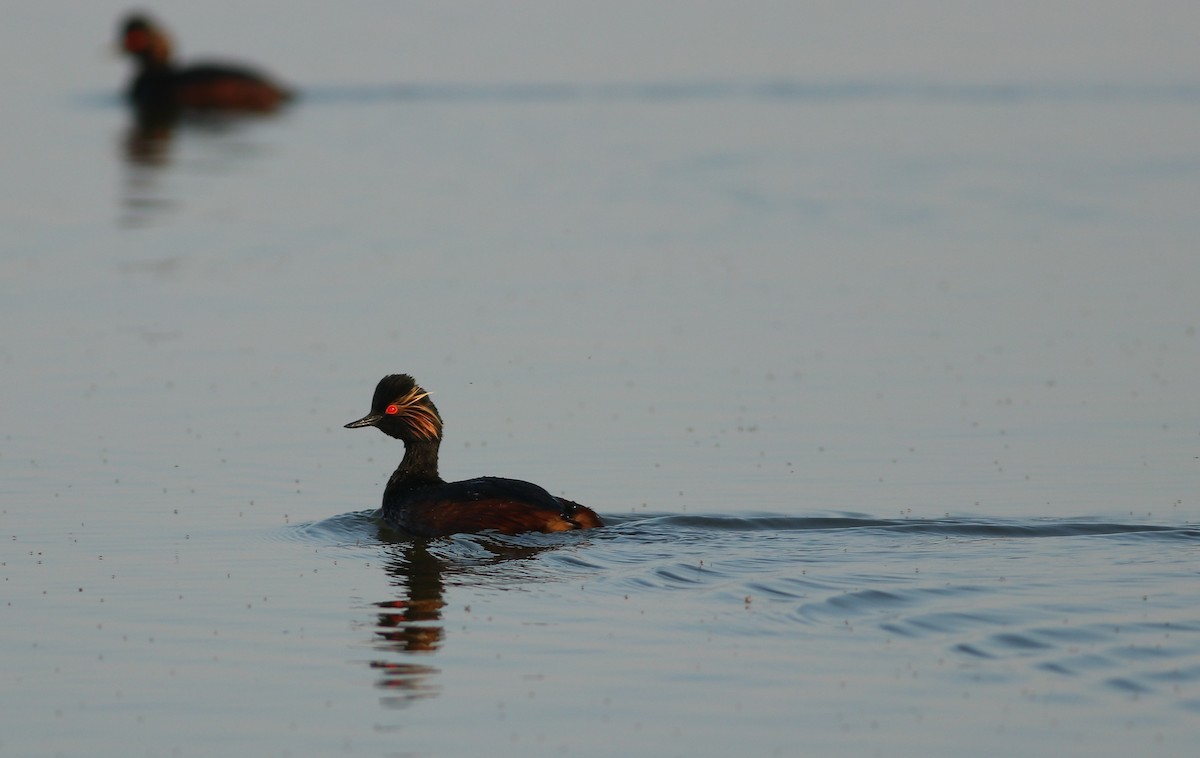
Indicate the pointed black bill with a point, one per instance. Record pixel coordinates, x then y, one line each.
367 420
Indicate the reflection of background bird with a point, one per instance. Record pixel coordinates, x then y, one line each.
419 501
160 84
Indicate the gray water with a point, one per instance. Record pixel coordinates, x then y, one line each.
873 337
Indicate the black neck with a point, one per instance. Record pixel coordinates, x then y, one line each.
419 467
157 65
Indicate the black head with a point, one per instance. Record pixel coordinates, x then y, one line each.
403 410
142 38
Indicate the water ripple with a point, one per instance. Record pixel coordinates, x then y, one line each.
785 90
1106 605
943 527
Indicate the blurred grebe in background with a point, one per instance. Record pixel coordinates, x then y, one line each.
160 84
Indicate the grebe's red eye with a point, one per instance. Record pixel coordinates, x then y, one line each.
392 409
136 40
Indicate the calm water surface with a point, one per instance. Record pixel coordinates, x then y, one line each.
882 369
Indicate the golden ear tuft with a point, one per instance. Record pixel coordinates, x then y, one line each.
421 418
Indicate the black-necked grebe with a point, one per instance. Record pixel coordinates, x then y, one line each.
417 500
160 84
